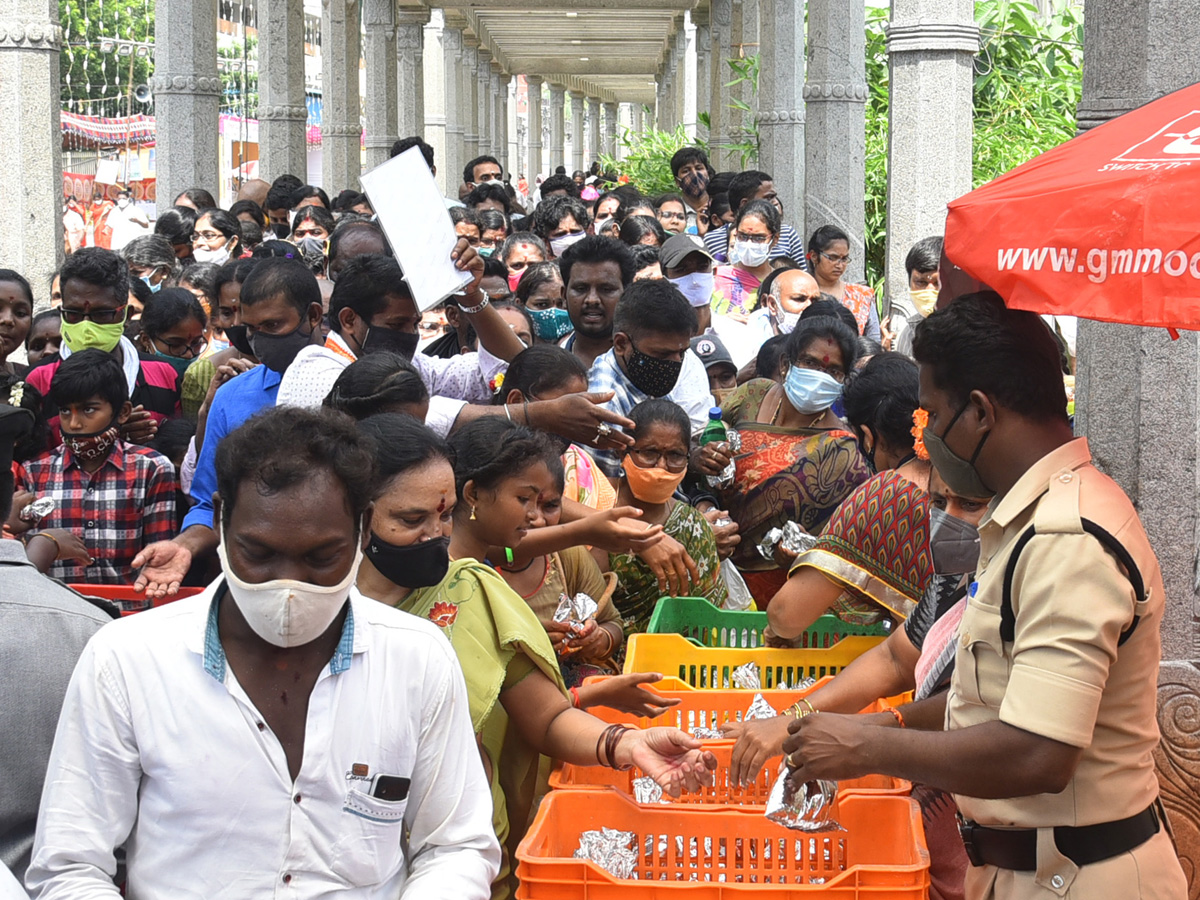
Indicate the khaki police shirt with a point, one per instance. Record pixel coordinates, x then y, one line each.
1063 676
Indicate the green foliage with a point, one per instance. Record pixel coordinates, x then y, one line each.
647 160
745 71
1028 78
95 82
236 98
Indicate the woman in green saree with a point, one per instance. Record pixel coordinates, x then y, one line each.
429 534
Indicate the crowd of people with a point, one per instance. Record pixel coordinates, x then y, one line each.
377 513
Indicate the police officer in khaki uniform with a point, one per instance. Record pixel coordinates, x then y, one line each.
1049 721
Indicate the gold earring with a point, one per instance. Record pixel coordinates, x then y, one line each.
472 514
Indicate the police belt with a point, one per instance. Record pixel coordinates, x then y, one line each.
1016 848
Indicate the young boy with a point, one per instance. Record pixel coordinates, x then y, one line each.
118 497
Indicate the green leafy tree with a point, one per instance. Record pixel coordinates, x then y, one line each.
98 82
238 67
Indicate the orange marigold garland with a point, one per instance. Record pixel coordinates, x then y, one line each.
920 423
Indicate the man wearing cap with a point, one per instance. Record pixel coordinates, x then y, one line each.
43 628
722 373
688 265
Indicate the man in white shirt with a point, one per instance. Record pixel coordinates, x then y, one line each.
278 734
126 222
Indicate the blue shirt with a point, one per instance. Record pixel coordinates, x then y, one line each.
235 402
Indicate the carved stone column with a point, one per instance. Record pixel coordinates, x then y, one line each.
450 167
931 45
781 103
31 235
688 79
719 77
558 141
533 166
282 113
578 131
639 118
483 95
379 54
835 97
591 144
410 72
500 88
341 120
703 22
186 95
470 98
610 129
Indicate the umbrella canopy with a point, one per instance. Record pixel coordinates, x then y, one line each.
1105 226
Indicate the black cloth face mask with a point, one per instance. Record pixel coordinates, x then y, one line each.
238 340
419 565
276 351
652 376
387 340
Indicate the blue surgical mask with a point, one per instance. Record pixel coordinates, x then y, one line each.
485 252
810 391
550 324
154 288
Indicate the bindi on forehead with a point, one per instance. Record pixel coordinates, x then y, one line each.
442 504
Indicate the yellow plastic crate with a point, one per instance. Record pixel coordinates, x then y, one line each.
711 668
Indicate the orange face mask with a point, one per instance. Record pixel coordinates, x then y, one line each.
654 485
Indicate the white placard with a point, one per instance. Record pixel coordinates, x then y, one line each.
108 171
413 215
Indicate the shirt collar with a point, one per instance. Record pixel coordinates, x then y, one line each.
335 343
1029 487
13 552
214 654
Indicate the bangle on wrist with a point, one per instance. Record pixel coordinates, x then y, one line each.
508 412
897 715
471 310
575 698
798 712
49 537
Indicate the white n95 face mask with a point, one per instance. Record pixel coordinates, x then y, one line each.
284 612
697 287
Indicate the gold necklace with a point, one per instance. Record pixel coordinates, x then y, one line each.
779 409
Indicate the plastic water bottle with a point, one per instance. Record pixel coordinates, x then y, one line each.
714 432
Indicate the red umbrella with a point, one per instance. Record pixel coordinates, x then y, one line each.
1105 226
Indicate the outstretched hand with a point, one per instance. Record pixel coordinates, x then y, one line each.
164 565
675 760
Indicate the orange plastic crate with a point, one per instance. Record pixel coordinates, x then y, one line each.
722 794
124 593
726 854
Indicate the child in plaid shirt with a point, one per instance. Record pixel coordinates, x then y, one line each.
117 496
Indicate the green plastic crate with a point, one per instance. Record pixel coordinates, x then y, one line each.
706 626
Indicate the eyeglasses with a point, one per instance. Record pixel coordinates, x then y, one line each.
672 460
99 316
209 236
836 260
752 238
181 348
811 362
663 214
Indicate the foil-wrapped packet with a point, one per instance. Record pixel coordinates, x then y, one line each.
803 684
703 733
647 790
610 849
733 442
804 807
37 510
791 537
576 611
746 677
760 709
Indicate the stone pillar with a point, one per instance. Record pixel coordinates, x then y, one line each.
719 77
610 129
689 79
436 91
341 128
835 97
743 43
780 102
410 72
931 46
591 144
483 80
31 234
282 114
187 91
578 131
703 22
558 142
470 99
450 165
639 118
381 104
500 83
1136 399
534 131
